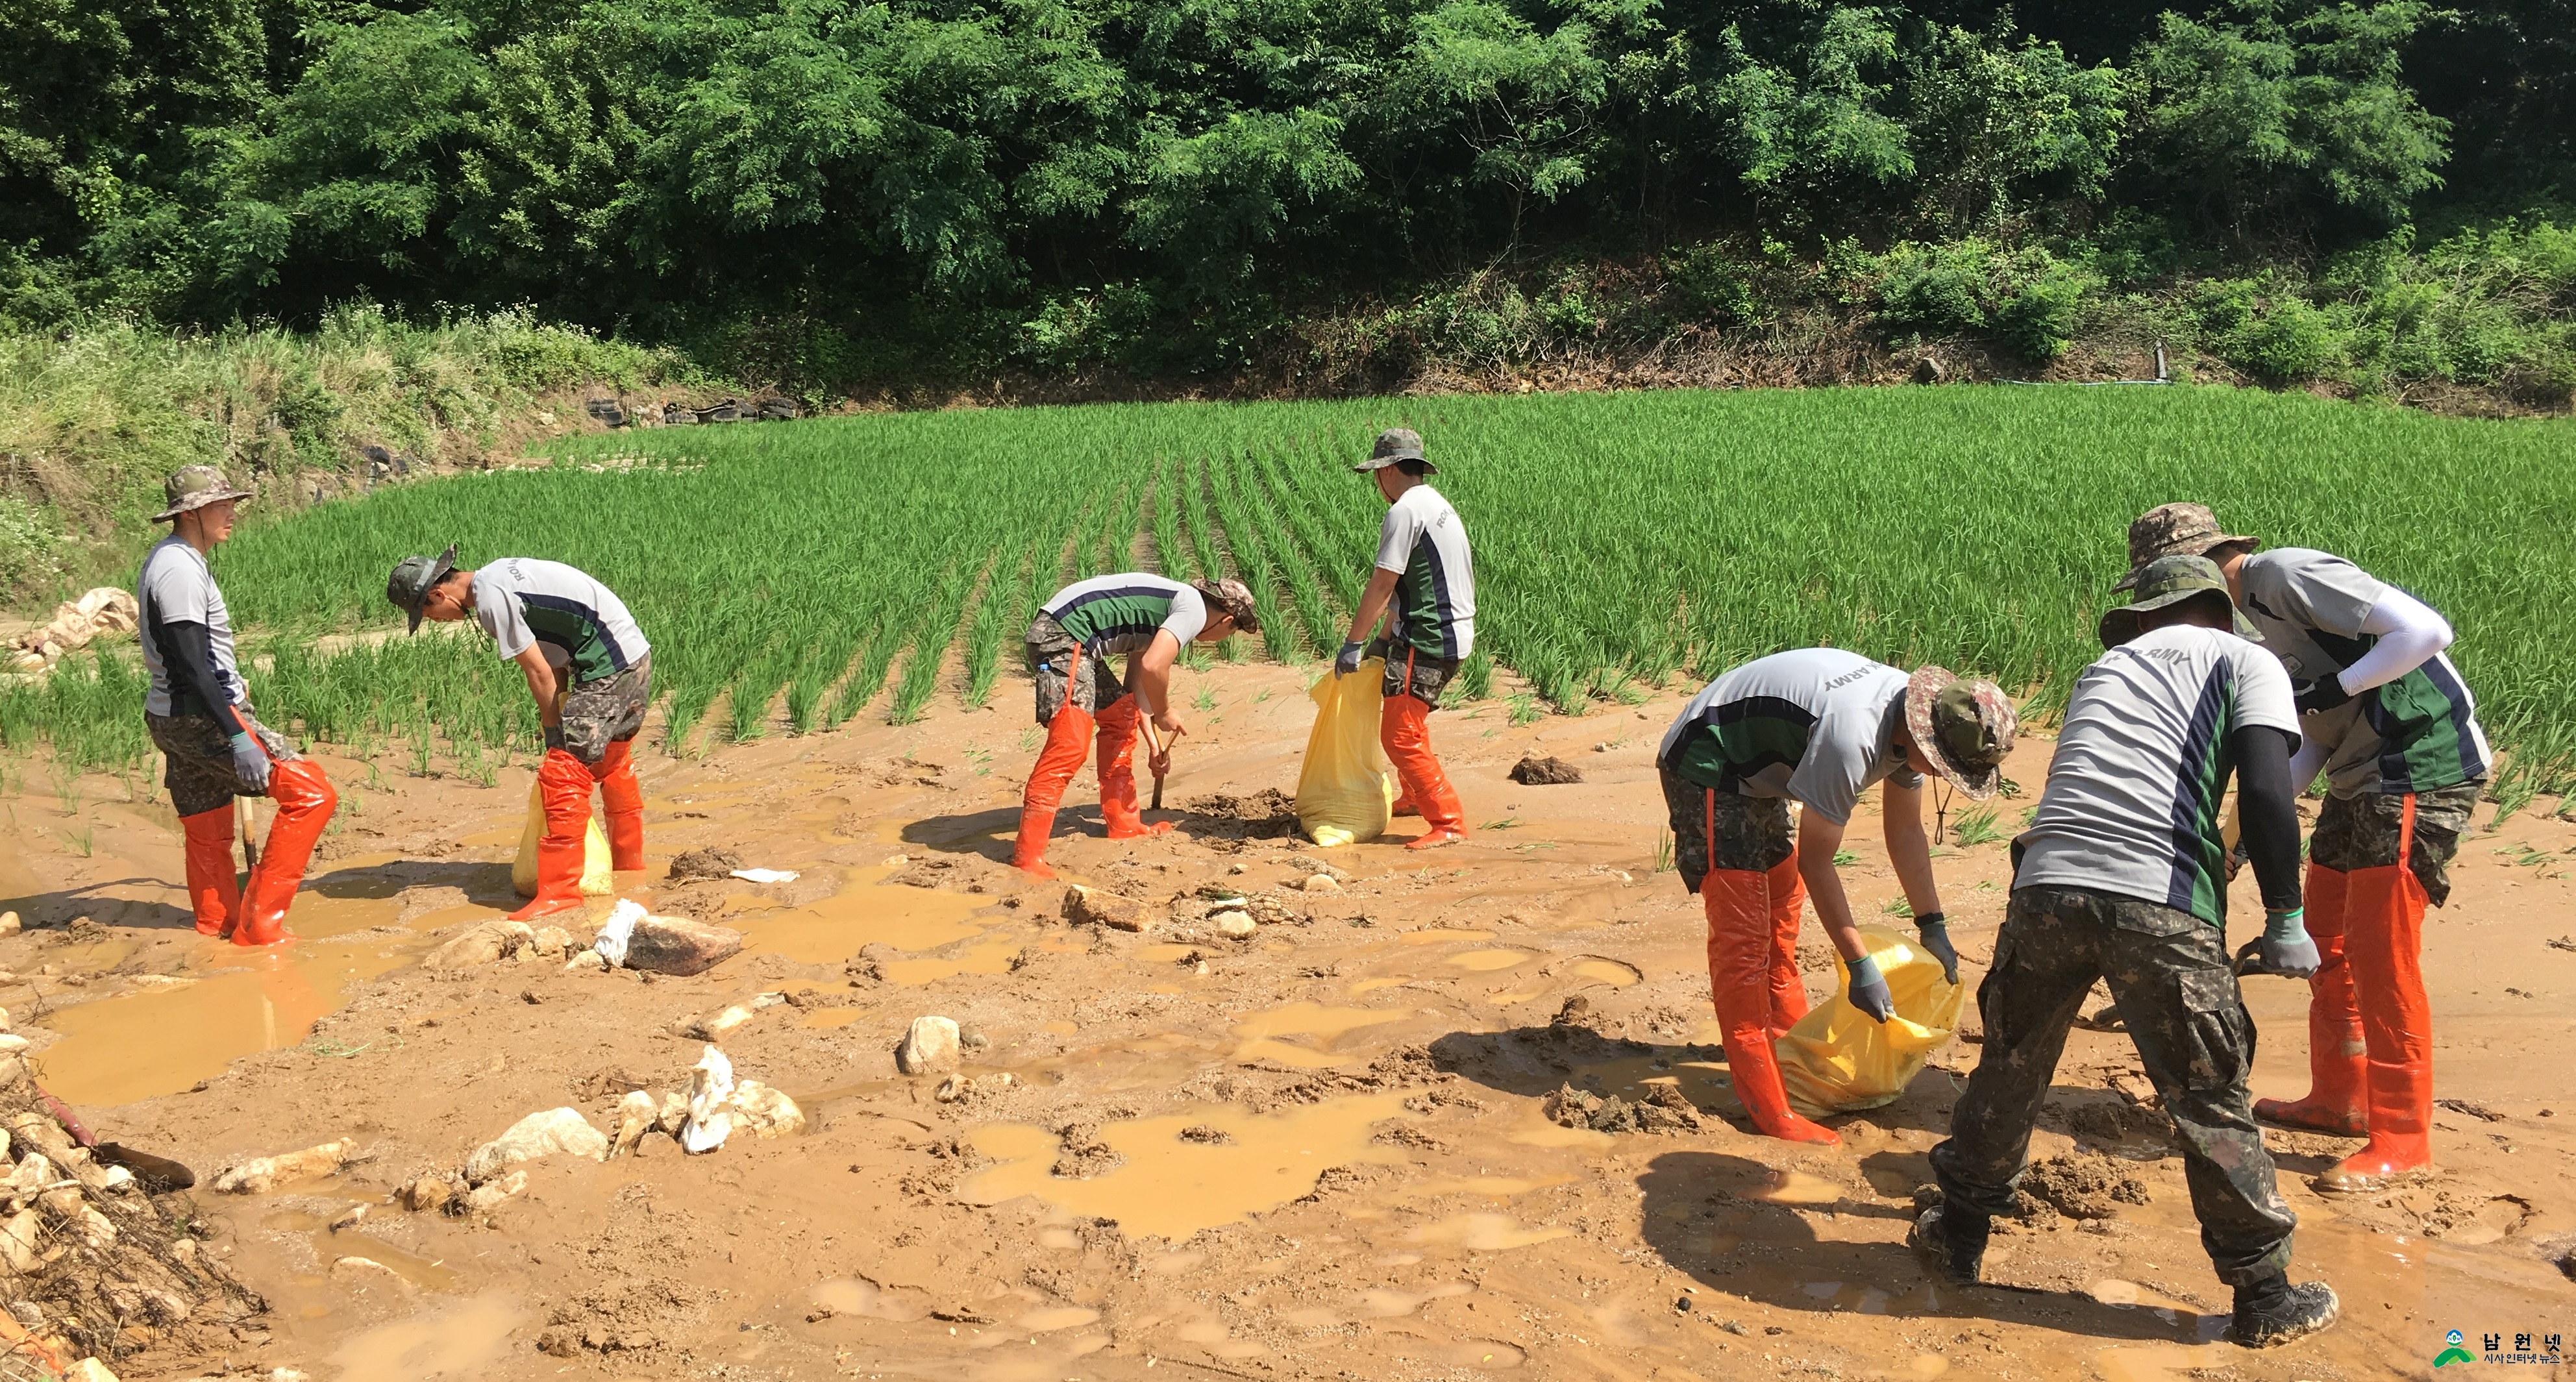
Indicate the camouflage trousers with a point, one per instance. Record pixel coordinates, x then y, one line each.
602 711
2360 832
1722 830
1067 673
2169 972
197 759
1412 672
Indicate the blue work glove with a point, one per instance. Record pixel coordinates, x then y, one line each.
2284 947
554 737
1934 931
1347 660
1869 991
250 763
2316 697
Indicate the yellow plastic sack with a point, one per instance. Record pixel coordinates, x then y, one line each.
596 881
1836 1060
1344 792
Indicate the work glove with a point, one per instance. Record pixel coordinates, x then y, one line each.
1347 660
2284 947
250 762
554 738
1869 991
2316 697
1934 931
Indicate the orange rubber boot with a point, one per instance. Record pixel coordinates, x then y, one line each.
1788 989
1738 904
1068 741
563 788
1118 774
305 802
1404 730
2384 945
212 890
623 798
2337 1054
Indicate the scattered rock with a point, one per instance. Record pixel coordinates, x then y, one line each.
1320 883
489 1196
696 864
487 943
958 1089
712 1028
587 959
765 1112
427 1193
1234 925
88 1370
554 942
929 1047
1092 907
1662 1110
259 1175
679 946
538 1135
9 923
1543 772
1929 371
352 1268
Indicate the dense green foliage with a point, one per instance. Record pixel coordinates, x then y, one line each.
856 190
793 577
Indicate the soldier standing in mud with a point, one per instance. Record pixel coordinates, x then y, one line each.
591 672
198 711
2392 724
1818 726
2122 877
1424 588
1147 618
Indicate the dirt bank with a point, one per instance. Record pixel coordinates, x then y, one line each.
1316 1152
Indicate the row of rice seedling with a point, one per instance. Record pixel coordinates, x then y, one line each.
794 574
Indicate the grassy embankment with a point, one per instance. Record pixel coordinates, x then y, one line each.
795 576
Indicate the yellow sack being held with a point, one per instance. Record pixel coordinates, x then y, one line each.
1838 1060
1344 792
596 881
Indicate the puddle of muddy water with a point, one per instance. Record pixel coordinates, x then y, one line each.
1171 1188
160 1041
329 1247
865 913
467 1341
1261 1031
1482 960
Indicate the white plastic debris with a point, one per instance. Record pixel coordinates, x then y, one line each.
710 1090
766 875
610 943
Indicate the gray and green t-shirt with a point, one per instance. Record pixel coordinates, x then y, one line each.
1424 543
1816 725
2414 734
1122 613
2132 804
583 627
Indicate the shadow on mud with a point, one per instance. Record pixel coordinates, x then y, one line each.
1721 1219
57 909
484 884
1219 821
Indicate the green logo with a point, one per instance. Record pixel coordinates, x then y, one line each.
2454 1353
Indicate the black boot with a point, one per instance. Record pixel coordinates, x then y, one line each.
1950 1245
2272 1311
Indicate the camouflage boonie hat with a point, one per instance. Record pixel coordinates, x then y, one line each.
2177 530
1232 599
1393 445
194 487
409 584
2170 581
1965 728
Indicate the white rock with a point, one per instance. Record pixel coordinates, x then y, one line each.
11 1043
22 1238
714 1028
588 959
543 1134
259 1175
4 1012
1234 925
1238 869
488 1196
1321 883
554 942
636 1114
356 1268
8 923
929 1047
765 1112
896 861
88 1370
710 1103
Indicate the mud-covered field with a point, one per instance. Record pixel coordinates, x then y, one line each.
1323 1150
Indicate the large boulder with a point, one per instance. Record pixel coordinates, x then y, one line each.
557 1130
929 1047
677 945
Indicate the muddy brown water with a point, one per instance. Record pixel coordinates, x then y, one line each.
1212 1158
